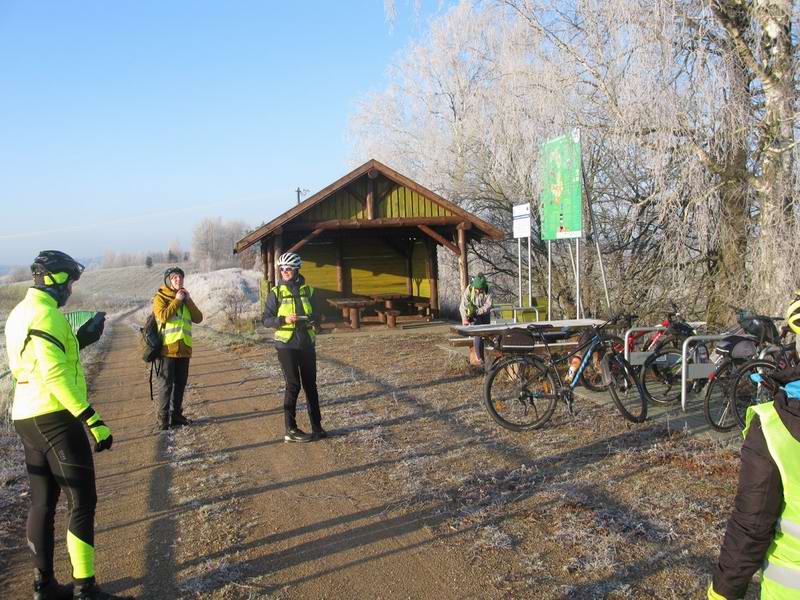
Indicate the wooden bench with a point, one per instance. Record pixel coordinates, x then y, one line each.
391 317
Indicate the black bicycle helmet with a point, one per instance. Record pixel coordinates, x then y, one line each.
50 262
170 271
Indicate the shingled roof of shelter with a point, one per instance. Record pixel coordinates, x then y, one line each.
371 165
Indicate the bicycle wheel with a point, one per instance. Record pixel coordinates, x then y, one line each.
592 376
660 376
746 392
520 393
624 387
717 406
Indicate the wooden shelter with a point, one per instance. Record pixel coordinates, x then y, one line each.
372 233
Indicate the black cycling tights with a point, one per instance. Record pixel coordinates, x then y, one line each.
58 456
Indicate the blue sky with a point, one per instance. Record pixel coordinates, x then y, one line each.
124 123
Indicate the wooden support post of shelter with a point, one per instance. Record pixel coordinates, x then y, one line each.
306 239
432 273
340 285
268 263
277 250
463 268
410 270
371 175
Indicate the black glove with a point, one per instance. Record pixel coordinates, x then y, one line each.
99 430
90 332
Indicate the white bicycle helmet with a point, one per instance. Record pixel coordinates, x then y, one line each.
290 259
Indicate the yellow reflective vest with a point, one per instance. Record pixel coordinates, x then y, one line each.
175 320
43 355
780 577
286 307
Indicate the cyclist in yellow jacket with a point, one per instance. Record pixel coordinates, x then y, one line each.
49 411
175 312
291 310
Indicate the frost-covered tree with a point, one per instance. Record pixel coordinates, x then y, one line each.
688 115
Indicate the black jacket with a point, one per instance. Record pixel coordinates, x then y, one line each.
271 319
758 502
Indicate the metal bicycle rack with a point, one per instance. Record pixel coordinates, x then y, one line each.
638 358
695 370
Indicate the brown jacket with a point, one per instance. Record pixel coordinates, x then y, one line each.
165 305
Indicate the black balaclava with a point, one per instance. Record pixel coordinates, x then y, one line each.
59 291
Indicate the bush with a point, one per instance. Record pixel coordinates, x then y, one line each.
234 305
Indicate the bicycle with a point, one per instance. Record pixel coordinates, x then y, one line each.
730 355
660 375
592 377
521 391
776 356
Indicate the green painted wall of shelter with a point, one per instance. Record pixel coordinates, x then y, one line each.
392 202
344 204
403 202
370 266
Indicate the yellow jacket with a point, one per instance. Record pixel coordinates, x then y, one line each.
165 305
43 358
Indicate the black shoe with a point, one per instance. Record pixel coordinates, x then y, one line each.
91 591
296 435
45 587
319 433
179 421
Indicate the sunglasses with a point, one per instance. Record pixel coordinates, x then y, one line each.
286 269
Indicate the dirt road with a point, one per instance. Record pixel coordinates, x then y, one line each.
225 509
418 495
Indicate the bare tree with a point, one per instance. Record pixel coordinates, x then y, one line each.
213 241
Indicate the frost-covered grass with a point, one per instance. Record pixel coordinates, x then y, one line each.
212 292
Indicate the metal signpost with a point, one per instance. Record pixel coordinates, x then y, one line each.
521 219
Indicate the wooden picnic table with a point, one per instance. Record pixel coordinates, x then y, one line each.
351 308
389 299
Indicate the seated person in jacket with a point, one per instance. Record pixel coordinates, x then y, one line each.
475 309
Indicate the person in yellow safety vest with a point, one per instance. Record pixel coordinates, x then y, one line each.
175 311
49 411
763 531
475 308
291 310
793 320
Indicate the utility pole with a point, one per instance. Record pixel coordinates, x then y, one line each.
300 193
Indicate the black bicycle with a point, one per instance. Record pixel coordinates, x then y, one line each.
521 391
755 338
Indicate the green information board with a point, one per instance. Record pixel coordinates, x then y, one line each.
561 199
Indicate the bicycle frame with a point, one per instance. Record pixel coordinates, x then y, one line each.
591 344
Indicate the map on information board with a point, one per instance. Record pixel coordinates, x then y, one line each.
560 204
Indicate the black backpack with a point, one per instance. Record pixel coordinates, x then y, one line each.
151 339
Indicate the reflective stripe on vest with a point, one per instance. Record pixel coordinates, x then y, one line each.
781 571
286 307
179 327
